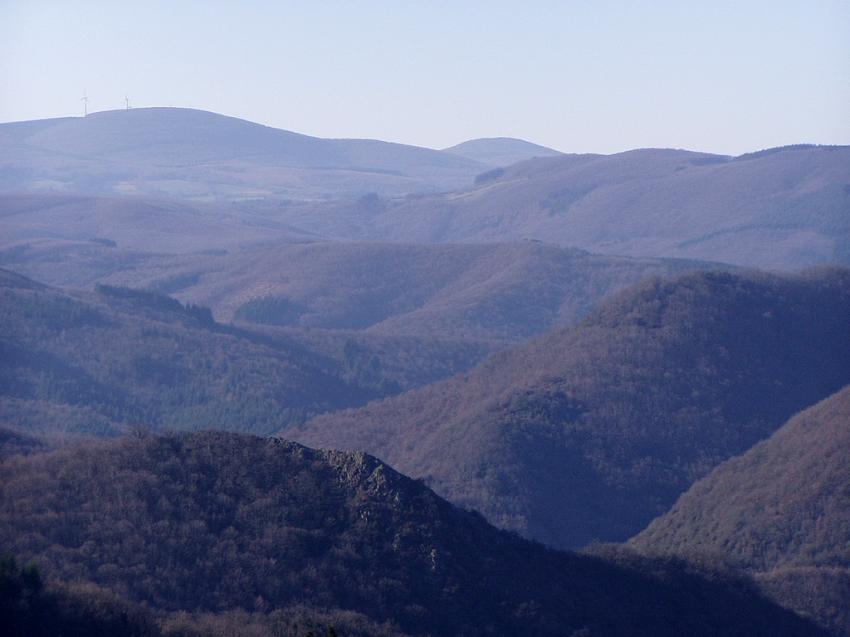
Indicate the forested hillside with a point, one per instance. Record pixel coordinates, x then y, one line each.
781 510
214 522
102 362
590 432
470 292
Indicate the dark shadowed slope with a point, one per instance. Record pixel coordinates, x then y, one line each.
593 431
784 208
200 155
782 509
217 521
500 151
785 502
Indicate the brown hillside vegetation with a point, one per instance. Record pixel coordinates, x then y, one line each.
783 208
590 432
489 292
216 522
98 363
782 509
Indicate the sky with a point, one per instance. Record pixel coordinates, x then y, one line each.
591 76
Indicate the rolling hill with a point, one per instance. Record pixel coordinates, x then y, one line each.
500 151
103 362
780 510
590 432
490 292
198 155
216 522
782 208
133 223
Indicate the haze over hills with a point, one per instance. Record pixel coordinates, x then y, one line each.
500 151
255 382
783 208
214 521
590 432
140 224
781 510
779 208
483 292
356 270
177 152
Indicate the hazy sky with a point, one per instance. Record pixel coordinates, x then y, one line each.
595 76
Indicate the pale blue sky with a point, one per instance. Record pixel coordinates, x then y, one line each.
598 76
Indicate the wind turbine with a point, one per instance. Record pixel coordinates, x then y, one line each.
127 102
85 101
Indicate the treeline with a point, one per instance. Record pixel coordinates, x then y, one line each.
157 301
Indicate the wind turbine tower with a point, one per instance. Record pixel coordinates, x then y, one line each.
85 101
127 102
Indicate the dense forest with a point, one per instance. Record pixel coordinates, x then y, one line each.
590 432
83 363
781 510
211 523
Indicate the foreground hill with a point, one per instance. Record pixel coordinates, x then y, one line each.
782 509
98 363
500 151
200 155
480 292
782 208
590 432
214 522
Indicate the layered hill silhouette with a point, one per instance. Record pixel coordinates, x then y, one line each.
472 292
212 522
201 155
500 151
592 431
778 208
781 208
782 510
98 363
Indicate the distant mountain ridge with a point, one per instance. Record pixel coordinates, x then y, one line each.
200 155
500 151
781 208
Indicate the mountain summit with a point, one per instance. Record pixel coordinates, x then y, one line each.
197 154
500 151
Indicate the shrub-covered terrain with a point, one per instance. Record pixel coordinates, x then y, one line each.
590 432
780 510
217 522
